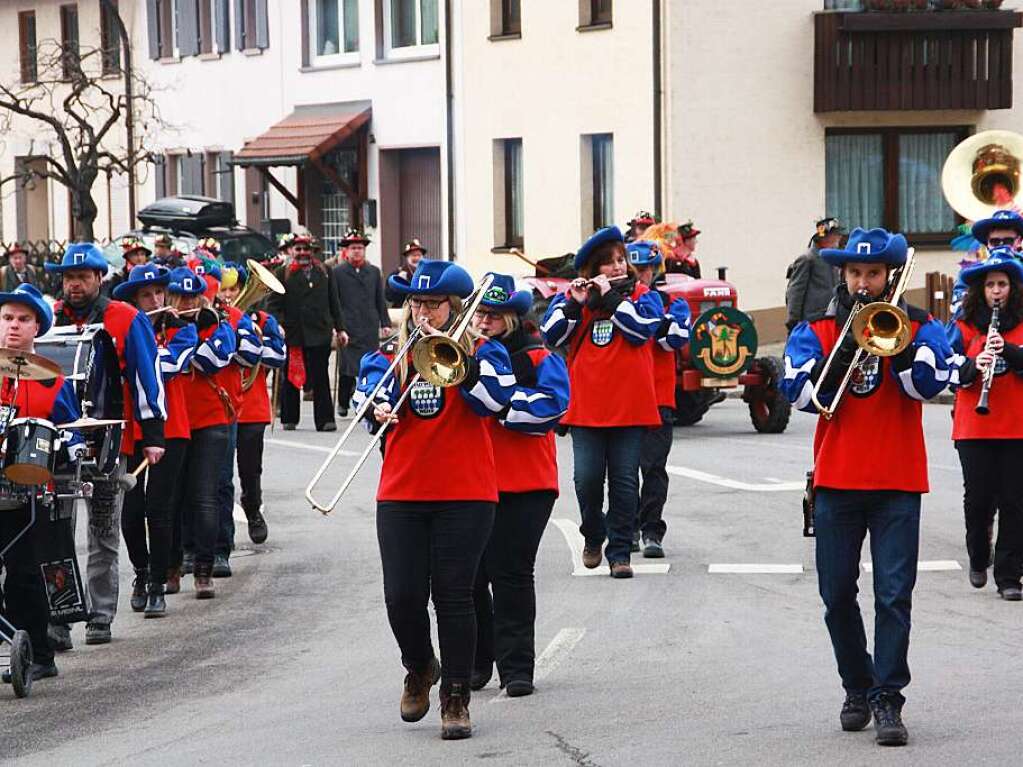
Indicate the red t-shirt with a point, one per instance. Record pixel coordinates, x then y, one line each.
1005 398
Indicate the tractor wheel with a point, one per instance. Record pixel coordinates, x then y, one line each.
690 406
769 408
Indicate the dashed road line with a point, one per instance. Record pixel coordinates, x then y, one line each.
559 648
735 484
743 568
304 446
575 545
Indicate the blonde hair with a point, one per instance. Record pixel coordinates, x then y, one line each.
174 300
455 302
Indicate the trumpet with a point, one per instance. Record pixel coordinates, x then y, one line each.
880 328
439 359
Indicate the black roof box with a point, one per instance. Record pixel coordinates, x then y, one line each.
188 212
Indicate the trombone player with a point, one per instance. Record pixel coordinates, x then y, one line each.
870 464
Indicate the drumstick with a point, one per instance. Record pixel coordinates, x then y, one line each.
140 468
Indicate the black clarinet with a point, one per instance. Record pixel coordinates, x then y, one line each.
989 374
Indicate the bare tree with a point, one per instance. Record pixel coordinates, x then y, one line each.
72 110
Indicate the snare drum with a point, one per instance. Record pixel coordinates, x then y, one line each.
30 452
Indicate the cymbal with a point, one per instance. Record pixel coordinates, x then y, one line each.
15 363
89 423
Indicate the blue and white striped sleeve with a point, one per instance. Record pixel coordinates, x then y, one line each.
958 294
273 352
560 321
802 352
933 363
66 410
250 348
639 319
215 353
177 355
673 333
372 368
142 370
537 410
492 391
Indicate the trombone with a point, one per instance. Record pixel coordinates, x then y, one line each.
880 329
438 359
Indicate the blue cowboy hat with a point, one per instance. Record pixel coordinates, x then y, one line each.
1001 259
30 296
229 266
81 255
502 296
643 253
1000 219
185 282
145 274
434 278
608 234
874 246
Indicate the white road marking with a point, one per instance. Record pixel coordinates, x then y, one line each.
575 545
304 446
562 644
924 566
749 569
239 514
734 484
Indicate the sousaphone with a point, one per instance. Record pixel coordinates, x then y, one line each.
982 174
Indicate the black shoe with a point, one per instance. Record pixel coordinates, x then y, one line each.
635 543
289 426
156 603
258 529
221 567
855 712
138 591
39 671
888 724
59 637
97 633
517 688
1011 593
480 677
978 578
652 549
331 426
188 563
342 412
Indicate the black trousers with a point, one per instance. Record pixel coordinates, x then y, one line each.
250 464
198 504
505 622
993 480
23 596
433 549
316 359
653 494
345 390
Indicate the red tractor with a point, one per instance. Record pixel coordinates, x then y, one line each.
721 353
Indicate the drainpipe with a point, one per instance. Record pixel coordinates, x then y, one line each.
449 77
658 99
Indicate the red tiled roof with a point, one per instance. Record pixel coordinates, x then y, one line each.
305 134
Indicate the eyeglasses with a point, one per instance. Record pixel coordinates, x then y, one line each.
483 314
433 306
996 242
302 249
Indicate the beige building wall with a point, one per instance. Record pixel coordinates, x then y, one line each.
549 88
745 153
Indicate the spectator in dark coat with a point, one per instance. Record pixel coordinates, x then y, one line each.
812 281
360 292
311 318
18 269
411 255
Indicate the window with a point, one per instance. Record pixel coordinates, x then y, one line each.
110 38
251 24
514 229
594 14
27 46
412 23
891 178
161 17
334 27
69 40
189 174
505 18
219 176
602 148
204 27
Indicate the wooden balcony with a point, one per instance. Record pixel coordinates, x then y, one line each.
902 61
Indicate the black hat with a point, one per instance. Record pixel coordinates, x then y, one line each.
354 236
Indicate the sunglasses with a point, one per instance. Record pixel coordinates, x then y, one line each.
997 242
433 306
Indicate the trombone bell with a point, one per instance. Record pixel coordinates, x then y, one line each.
882 329
982 174
440 360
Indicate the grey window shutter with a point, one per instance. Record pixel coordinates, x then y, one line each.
226 177
161 177
188 30
262 25
239 24
187 175
152 22
223 23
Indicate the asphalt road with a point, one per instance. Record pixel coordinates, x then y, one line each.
293 663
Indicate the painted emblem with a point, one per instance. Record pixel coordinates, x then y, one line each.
425 399
866 378
723 341
602 332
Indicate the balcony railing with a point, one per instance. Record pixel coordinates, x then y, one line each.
903 61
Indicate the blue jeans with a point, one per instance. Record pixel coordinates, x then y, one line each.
843 518
207 452
613 453
225 497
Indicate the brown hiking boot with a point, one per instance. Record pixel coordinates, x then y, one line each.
454 712
415 697
592 556
203 577
621 570
173 581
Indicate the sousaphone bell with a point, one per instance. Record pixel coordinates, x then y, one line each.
982 174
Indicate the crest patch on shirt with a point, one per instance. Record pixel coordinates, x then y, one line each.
425 399
866 377
602 332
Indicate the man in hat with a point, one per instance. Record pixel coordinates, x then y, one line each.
639 224
870 471
360 293
311 317
411 255
1004 229
18 269
812 280
165 254
81 270
682 260
135 254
